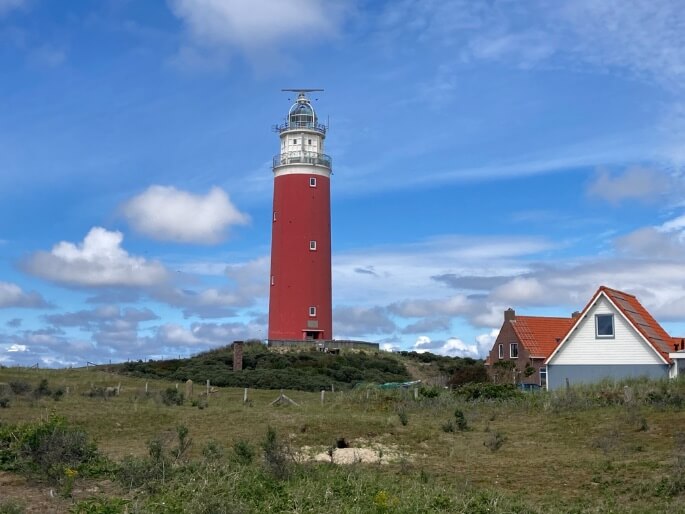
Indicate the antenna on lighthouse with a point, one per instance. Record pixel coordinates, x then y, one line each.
301 90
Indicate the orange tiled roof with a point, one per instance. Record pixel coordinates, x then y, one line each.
541 335
677 341
639 317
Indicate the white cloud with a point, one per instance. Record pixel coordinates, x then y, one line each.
485 342
98 261
454 347
17 348
257 26
167 214
11 295
176 335
636 183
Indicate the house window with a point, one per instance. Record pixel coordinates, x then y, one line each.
312 245
543 376
312 181
501 351
514 350
604 325
312 311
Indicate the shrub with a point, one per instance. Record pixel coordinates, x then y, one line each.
172 396
43 389
404 417
487 391
20 387
212 450
460 420
494 441
468 375
276 458
244 453
46 449
10 507
4 403
448 426
429 392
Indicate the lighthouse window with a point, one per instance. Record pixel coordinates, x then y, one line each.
312 311
273 280
294 141
274 215
312 245
309 142
312 181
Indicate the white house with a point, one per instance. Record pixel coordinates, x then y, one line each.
614 337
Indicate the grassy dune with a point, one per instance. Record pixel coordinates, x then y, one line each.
578 451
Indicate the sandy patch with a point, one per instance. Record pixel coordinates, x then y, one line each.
375 455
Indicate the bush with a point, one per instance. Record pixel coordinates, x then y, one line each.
20 387
10 507
487 391
4 403
460 420
494 441
172 396
448 426
244 453
46 449
404 417
429 392
43 389
276 455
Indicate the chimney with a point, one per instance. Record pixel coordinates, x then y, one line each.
675 347
237 355
682 344
575 315
509 314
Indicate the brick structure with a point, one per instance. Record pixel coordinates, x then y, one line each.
522 346
237 355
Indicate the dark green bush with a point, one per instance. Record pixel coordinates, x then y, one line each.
20 387
172 396
276 455
244 453
45 449
488 391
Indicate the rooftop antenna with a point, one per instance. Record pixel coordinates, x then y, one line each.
301 90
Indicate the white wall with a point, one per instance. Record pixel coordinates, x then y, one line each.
626 347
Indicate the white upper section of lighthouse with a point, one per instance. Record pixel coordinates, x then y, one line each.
302 138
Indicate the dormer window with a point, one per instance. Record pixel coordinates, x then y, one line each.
604 326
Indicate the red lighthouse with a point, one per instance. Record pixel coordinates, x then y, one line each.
300 303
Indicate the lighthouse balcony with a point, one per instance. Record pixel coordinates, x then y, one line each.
300 125
318 159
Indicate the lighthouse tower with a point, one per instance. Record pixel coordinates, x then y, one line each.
300 304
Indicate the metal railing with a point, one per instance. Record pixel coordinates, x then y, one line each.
318 127
319 159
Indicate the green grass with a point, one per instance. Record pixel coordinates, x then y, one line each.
582 451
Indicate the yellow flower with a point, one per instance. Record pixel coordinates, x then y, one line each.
71 473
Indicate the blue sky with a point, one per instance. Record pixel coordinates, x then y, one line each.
486 154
